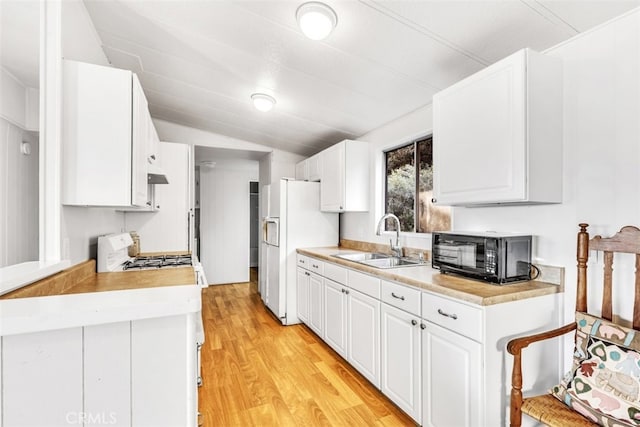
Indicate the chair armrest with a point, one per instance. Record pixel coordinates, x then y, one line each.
515 347
517 344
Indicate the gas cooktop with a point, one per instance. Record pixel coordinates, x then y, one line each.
158 261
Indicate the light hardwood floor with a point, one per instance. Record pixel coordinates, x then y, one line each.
258 372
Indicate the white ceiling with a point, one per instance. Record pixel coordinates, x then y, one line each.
199 61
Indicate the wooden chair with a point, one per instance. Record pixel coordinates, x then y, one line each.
546 408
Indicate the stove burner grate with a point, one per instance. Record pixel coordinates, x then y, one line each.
159 261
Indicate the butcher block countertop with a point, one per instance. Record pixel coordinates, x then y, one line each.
82 278
79 297
428 279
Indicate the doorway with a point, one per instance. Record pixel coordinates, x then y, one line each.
254 223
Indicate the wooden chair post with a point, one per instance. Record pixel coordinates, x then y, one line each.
516 391
582 256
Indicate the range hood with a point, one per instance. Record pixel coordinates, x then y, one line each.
155 175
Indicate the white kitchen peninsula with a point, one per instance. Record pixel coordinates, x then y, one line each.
107 348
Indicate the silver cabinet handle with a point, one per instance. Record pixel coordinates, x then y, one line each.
346 291
306 273
342 290
414 322
401 297
442 313
423 326
314 266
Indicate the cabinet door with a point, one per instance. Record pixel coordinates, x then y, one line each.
301 170
96 142
400 359
452 367
302 294
335 316
363 335
332 184
479 136
142 128
314 168
316 304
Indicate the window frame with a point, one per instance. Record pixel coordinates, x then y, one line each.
382 205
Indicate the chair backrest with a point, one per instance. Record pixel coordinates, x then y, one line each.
627 240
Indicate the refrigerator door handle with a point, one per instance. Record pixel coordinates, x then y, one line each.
271 234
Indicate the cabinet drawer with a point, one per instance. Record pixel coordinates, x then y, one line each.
315 265
364 283
453 315
402 297
302 261
335 273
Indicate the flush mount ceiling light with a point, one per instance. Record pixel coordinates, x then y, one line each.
263 102
316 20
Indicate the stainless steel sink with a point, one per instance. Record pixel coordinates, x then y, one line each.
377 260
391 262
362 256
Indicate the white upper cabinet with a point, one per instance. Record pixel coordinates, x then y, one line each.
345 177
497 134
301 170
106 132
309 169
314 168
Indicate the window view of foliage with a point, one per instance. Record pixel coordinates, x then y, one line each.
402 185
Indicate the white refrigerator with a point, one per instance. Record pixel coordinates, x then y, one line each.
301 224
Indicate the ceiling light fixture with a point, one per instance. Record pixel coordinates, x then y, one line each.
263 102
316 20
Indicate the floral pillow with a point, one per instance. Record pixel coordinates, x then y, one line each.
604 383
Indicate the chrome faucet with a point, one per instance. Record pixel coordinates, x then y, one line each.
397 249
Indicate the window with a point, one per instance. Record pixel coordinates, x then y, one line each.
403 182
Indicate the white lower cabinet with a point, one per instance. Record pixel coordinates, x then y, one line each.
302 294
441 360
452 375
400 359
316 304
335 316
363 335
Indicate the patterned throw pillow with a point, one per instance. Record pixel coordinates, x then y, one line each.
604 383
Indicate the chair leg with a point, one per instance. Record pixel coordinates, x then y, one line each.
516 391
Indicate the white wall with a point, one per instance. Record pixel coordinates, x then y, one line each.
224 220
81 227
601 182
173 132
19 241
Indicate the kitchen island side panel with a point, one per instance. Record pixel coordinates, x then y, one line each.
42 378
